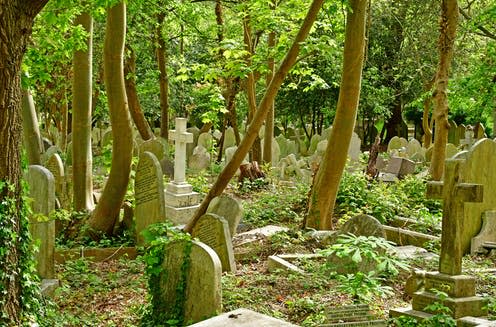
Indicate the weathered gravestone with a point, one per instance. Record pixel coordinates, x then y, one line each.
229 138
206 140
213 230
155 146
149 194
460 288
453 135
198 275
56 167
360 225
354 148
479 168
479 131
400 167
228 208
351 315
42 191
199 160
243 318
190 146
451 150
396 143
486 239
180 200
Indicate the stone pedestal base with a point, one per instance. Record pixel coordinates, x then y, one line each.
461 298
180 203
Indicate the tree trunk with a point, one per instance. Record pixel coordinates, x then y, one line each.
256 151
269 121
31 131
132 97
325 187
252 132
64 113
16 21
161 54
106 212
82 165
448 24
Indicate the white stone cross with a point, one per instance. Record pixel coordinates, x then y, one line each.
180 138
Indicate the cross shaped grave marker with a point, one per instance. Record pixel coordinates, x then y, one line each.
180 138
454 194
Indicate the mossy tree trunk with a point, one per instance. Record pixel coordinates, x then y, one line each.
326 183
259 116
161 53
106 212
82 163
16 22
448 25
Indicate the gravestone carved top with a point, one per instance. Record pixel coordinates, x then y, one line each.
181 137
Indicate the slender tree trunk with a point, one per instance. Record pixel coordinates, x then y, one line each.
264 106
82 164
426 125
269 121
324 190
256 151
31 131
64 113
161 53
106 212
448 25
16 21
132 97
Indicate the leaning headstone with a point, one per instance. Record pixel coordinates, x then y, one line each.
200 159
479 131
206 140
413 148
228 208
201 295
149 194
180 199
460 289
155 146
56 167
363 225
316 138
400 167
42 191
229 138
213 230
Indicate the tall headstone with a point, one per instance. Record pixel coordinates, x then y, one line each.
149 194
479 168
354 149
213 230
180 200
199 160
202 281
479 131
229 138
190 146
42 191
453 135
228 208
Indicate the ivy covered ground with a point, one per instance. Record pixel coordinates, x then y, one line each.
114 293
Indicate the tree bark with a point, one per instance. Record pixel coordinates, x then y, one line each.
132 97
106 212
31 131
269 120
82 162
448 25
264 106
325 187
161 53
16 21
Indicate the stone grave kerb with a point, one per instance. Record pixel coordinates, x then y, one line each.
454 194
180 137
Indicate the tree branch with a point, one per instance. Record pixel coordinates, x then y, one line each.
485 31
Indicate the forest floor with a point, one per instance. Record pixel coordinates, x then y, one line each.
114 293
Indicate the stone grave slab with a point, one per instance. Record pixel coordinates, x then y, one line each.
203 280
55 165
352 315
42 191
275 262
400 167
243 318
155 146
149 194
213 230
229 208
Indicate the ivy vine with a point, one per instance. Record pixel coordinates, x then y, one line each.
15 235
159 237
